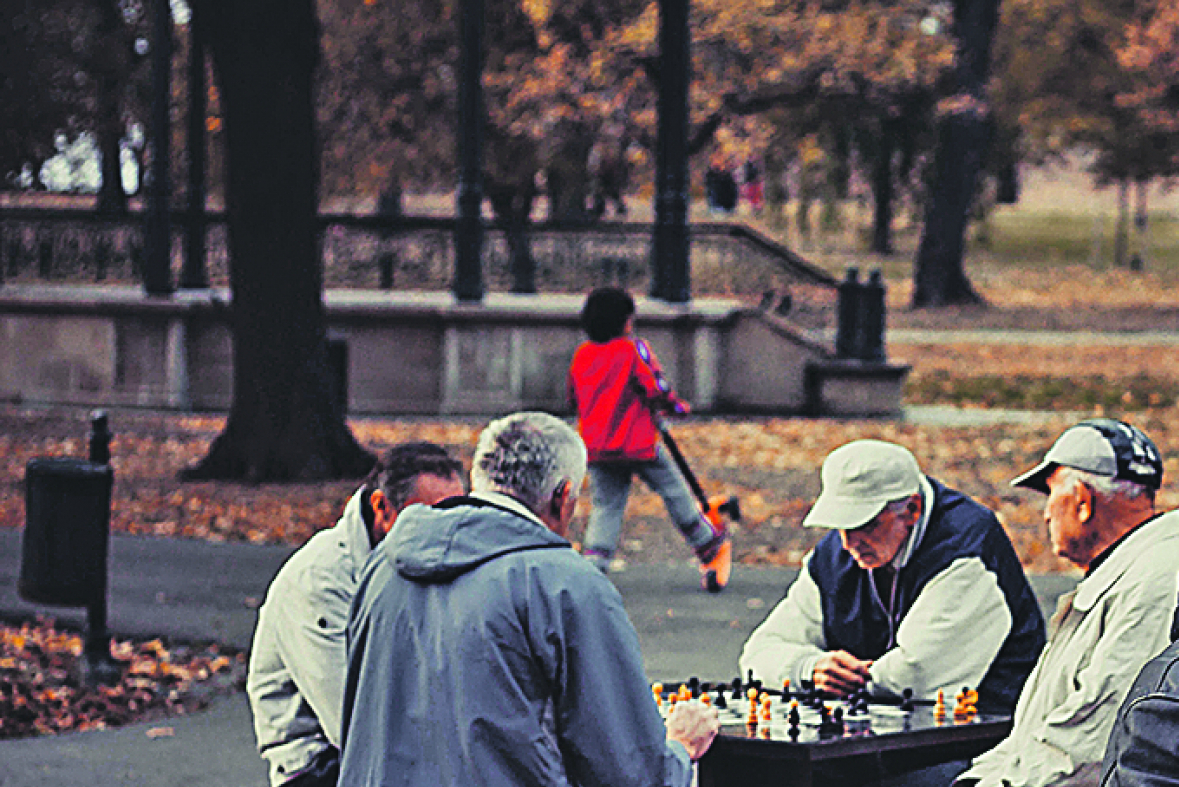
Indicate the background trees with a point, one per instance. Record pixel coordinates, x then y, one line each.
359 96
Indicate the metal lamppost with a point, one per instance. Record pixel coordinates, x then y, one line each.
671 279
157 274
468 242
193 275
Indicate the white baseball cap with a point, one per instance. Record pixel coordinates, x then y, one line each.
859 480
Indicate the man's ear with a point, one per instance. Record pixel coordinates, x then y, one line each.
1084 497
384 515
557 502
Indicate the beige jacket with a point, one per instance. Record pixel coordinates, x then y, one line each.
1117 619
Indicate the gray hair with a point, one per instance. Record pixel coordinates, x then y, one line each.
527 455
1104 485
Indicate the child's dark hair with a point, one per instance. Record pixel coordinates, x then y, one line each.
604 315
398 470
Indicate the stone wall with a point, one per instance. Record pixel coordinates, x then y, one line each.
406 352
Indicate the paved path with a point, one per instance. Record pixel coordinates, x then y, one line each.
195 590
1034 337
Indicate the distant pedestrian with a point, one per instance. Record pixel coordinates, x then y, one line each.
752 188
720 187
297 662
618 390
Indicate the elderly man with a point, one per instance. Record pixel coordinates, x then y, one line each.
483 650
1100 477
297 663
917 587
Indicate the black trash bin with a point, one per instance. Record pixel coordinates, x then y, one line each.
67 532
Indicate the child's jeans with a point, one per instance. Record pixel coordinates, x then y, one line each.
610 487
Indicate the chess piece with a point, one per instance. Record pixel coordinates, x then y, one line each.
657 692
907 700
751 719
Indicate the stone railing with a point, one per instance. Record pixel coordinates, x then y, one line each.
417 253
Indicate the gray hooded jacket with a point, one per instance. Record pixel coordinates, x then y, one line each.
482 650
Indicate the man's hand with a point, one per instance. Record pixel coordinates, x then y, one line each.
840 673
693 724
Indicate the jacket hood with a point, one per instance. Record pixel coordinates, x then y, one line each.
435 544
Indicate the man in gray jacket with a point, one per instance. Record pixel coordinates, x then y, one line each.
296 676
483 650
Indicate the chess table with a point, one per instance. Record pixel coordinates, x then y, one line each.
886 743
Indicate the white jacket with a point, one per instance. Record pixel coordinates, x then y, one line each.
298 661
1117 619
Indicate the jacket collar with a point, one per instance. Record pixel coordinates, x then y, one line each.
354 531
501 500
918 532
1136 545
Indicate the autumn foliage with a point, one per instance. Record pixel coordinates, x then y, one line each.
41 694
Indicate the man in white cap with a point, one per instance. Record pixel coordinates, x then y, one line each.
917 587
1100 476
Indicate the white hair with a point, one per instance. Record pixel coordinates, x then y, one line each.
527 455
1104 485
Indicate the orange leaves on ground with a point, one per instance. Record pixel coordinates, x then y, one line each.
41 692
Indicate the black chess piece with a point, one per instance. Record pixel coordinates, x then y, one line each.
907 700
720 700
828 726
694 686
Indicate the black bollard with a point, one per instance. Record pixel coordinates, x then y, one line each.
847 315
100 667
871 326
100 438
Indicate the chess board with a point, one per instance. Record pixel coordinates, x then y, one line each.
865 744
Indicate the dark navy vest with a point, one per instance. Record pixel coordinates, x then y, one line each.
958 527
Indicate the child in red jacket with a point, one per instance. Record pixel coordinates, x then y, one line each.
617 387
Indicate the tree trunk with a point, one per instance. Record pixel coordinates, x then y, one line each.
286 421
939 278
1141 218
111 66
883 181
1122 230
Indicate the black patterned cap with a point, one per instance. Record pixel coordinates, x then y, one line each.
1101 446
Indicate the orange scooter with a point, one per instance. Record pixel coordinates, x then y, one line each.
717 510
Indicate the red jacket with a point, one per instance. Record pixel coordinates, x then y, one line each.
614 387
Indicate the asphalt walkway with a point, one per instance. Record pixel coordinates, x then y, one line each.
200 591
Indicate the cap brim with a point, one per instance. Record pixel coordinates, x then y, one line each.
841 514
1036 478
